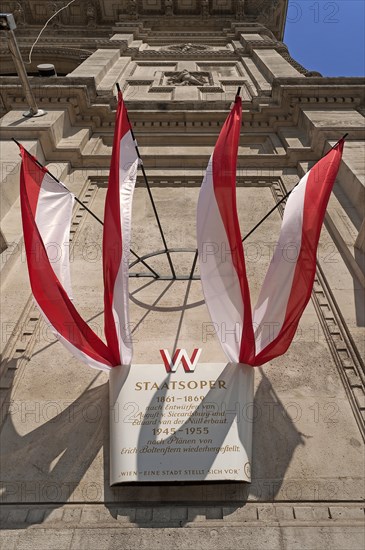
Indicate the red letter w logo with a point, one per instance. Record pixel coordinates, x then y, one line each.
180 356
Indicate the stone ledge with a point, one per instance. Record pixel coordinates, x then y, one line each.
92 515
200 538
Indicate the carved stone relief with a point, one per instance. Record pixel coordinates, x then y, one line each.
240 9
19 15
169 7
187 78
147 79
187 48
91 15
132 9
52 9
205 9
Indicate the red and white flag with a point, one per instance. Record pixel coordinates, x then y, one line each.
117 237
46 206
255 338
288 284
46 213
222 263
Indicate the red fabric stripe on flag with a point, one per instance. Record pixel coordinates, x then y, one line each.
224 181
47 290
34 175
112 235
319 186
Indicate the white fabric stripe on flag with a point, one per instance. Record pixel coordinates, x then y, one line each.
128 165
270 310
53 218
220 281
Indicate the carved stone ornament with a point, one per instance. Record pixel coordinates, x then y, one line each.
169 7
205 9
91 15
19 15
187 48
53 8
240 9
132 9
186 78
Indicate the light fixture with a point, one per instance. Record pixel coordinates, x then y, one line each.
7 22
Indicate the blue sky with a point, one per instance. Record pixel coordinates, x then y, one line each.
327 36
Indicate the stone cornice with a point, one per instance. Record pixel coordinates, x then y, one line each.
286 93
96 13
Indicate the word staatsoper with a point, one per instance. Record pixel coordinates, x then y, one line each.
181 385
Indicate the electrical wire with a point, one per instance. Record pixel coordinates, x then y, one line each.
41 31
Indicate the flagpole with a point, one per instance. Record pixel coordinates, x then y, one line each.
156 275
150 195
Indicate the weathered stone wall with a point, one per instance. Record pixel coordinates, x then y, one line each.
179 77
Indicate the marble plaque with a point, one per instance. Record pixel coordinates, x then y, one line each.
181 426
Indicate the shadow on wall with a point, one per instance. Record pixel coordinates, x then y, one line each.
359 290
275 439
354 215
47 465
50 464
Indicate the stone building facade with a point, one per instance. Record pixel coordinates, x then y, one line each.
179 63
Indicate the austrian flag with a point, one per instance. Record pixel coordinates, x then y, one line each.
222 264
288 284
46 206
117 237
46 214
259 336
